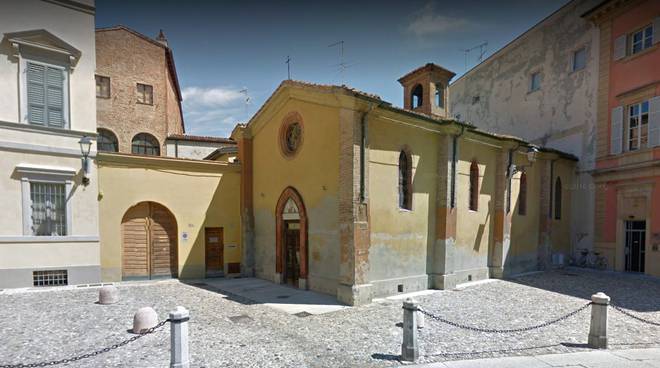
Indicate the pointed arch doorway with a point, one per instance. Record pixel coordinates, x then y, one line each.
291 242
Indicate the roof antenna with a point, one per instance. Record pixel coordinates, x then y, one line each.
244 91
342 65
483 47
288 67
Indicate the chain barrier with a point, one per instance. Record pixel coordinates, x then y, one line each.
88 355
502 331
640 319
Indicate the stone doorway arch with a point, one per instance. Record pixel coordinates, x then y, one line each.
291 263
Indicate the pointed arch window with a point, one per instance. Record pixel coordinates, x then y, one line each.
522 195
474 186
405 180
558 193
416 99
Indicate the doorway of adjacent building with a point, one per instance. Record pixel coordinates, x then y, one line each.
214 251
149 242
291 239
635 245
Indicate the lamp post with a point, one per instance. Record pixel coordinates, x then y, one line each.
532 153
85 146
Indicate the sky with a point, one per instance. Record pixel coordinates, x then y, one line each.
223 47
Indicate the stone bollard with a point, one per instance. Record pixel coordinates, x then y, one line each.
598 328
409 348
420 320
108 295
179 356
144 319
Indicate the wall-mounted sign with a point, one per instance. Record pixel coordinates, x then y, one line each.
184 236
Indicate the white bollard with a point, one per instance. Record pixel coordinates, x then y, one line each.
108 295
179 354
598 328
145 318
420 320
409 347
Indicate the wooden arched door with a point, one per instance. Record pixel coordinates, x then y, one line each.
149 242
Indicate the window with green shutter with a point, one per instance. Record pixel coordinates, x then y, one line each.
45 95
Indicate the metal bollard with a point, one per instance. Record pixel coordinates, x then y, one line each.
598 328
179 354
410 348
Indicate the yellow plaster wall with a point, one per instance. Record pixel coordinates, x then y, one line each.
400 239
198 194
525 237
313 172
474 229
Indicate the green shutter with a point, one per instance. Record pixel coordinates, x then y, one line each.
36 98
55 97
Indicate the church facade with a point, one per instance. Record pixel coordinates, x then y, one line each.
345 194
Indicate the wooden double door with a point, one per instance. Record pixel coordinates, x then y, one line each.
292 252
214 251
149 237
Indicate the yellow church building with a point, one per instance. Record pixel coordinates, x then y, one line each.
338 191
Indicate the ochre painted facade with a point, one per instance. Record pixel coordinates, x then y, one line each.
199 194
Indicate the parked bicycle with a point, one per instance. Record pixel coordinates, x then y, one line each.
591 259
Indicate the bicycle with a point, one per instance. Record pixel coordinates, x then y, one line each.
591 260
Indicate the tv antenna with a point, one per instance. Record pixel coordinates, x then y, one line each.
342 64
288 67
483 47
244 91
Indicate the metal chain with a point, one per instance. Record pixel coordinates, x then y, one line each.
626 313
88 355
512 330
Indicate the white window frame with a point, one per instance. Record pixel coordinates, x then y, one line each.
44 174
639 126
23 112
531 81
631 36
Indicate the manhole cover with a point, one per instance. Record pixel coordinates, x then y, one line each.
302 314
283 296
240 319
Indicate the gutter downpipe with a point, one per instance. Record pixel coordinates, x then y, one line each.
454 156
363 144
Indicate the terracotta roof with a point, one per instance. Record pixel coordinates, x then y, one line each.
200 138
424 68
388 106
168 55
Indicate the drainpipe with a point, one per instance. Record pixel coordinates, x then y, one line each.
454 156
363 144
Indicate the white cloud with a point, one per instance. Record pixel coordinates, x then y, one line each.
212 111
427 23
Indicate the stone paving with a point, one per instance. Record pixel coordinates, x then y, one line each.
229 331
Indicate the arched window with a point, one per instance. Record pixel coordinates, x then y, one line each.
439 95
145 144
405 180
522 195
107 141
558 199
474 186
416 96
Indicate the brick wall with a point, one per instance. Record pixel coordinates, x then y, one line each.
128 59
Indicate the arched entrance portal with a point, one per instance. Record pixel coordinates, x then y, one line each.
291 242
149 242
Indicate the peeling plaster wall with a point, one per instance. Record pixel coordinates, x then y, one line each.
313 172
562 114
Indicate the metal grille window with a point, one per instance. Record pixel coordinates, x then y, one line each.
145 144
638 125
50 278
145 94
107 141
48 205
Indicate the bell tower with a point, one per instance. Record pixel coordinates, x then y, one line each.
425 90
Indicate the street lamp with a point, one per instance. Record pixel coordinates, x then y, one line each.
85 146
532 153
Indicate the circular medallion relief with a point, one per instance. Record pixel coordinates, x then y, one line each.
291 135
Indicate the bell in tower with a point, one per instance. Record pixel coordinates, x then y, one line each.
425 90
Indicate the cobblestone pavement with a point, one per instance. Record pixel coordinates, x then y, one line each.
39 326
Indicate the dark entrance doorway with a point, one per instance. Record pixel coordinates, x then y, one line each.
291 252
214 251
635 246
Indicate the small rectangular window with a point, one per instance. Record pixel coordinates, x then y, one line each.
145 94
638 126
102 87
579 59
476 99
640 40
535 82
50 278
48 208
